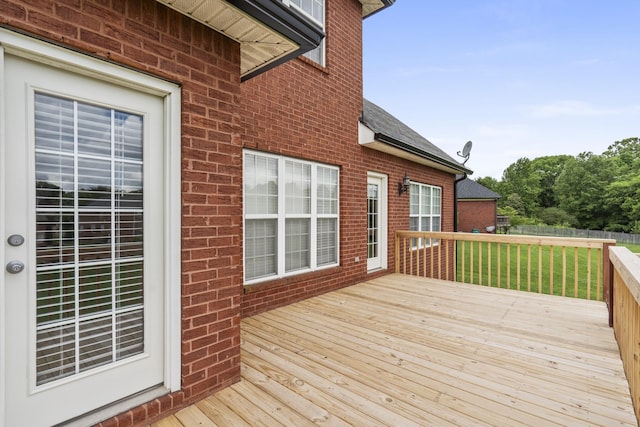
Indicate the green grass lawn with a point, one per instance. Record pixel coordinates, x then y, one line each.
538 265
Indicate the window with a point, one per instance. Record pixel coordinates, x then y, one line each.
290 216
315 10
425 210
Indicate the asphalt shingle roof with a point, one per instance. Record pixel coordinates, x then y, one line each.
382 122
469 189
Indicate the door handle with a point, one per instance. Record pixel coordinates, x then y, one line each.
15 267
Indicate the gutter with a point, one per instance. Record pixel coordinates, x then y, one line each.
421 153
286 21
455 201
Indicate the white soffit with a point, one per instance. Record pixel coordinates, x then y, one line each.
259 44
370 6
366 138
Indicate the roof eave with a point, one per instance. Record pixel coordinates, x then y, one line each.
403 150
371 7
288 22
269 32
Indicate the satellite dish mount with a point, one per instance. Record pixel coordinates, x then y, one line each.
466 151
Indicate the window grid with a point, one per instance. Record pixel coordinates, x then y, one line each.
425 209
314 9
89 216
302 233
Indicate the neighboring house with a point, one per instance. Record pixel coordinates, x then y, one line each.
477 207
165 171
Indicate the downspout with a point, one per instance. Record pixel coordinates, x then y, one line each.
455 201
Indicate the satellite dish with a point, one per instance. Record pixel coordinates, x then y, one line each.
466 151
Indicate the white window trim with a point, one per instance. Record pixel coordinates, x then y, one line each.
323 45
420 244
39 51
281 217
383 241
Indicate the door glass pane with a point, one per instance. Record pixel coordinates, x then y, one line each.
372 221
89 234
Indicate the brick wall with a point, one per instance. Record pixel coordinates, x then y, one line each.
476 214
147 36
305 111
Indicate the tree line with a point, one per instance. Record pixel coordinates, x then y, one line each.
590 191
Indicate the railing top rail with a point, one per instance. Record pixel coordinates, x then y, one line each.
574 242
628 266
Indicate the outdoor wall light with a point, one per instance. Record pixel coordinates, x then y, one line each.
404 185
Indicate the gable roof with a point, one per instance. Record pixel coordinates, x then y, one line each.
390 135
469 189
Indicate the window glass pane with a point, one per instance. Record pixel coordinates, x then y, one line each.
128 136
327 241
129 335
313 8
327 189
55 356
414 205
317 54
297 240
260 184
261 248
298 188
94 183
128 185
426 200
54 125
94 130
95 343
437 200
54 180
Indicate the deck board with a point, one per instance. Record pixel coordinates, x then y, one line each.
401 350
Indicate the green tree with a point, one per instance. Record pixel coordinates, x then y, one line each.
549 168
581 189
521 178
489 182
622 196
557 217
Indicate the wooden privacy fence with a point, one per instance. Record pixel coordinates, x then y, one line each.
551 265
626 316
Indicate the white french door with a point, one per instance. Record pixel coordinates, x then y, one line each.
376 221
84 300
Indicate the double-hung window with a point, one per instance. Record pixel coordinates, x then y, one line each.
290 216
425 212
315 10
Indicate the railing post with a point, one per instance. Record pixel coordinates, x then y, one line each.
607 285
397 253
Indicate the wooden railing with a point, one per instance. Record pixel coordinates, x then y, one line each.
626 316
556 266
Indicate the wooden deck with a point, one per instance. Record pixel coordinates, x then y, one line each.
408 351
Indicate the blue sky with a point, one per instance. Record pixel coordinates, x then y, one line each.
519 78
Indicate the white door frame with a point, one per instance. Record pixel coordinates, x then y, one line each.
35 50
382 180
